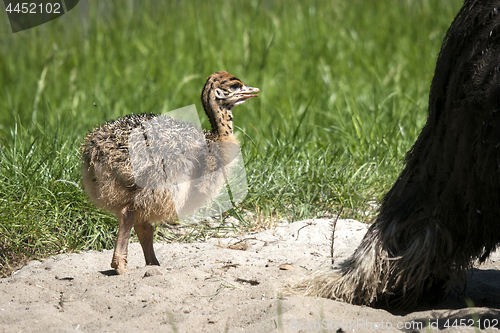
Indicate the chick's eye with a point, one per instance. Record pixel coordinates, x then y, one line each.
235 86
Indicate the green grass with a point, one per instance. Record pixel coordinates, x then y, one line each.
344 89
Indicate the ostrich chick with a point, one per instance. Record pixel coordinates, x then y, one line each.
110 182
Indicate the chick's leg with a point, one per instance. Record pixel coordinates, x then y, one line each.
126 221
145 232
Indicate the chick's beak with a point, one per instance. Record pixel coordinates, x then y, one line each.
245 93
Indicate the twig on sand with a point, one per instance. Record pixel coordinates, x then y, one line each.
334 225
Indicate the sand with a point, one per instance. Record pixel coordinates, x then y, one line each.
223 285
